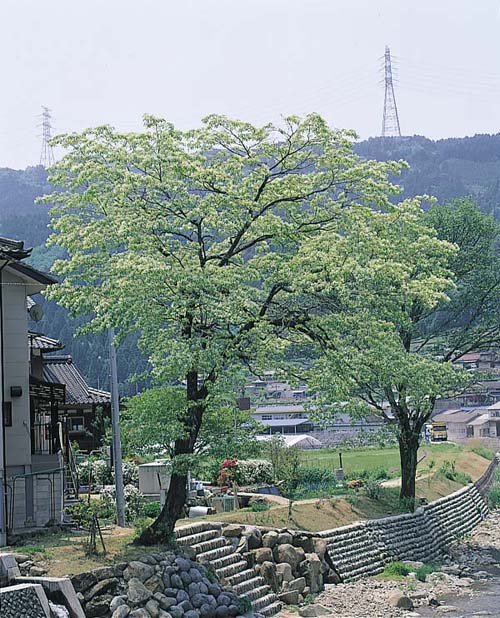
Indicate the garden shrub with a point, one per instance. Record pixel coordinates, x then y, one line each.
398 569
316 477
151 509
448 470
259 506
252 471
425 570
130 473
94 472
373 488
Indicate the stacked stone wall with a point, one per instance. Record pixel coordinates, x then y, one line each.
364 548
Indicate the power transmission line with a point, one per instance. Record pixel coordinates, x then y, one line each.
47 154
390 119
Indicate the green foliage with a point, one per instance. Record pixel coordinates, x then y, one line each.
244 605
373 488
494 497
483 451
425 570
398 569
316 476
448 470
352 497
140 525
151 509
83 511
259 506
253 471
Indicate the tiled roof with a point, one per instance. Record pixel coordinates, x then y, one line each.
62 370
13 249
43 343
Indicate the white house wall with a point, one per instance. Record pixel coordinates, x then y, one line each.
16 370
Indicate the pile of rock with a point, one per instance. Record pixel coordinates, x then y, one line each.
292 563
166 585
28 566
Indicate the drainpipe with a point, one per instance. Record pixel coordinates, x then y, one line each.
3 455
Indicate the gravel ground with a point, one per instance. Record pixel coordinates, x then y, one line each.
471 564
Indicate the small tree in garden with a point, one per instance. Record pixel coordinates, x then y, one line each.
195 240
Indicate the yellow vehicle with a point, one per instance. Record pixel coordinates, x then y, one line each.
439 433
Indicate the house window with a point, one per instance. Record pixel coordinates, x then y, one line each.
278 417
7 413
266 417
484 432
76 424
470 431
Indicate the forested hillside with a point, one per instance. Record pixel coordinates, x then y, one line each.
447 169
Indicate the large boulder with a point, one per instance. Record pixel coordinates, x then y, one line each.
398 599
297 584
100 588
290 597
270 539
311 570
268 572
284 570
233 530
289 554
284 538
304 541
263 554
138 570
254 537
137 593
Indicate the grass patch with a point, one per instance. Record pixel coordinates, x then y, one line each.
483 451
425 570
395 570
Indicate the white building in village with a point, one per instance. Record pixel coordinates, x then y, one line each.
31 491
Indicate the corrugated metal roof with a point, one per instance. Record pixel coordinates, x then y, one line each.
480 420
44 343
62 370
284 409
457 417
284 422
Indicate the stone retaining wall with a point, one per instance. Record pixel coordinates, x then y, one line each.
364 548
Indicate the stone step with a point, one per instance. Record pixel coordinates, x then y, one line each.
264 601
257 593
225 561
232 569
272 609
242 576
248 585
202 526
213 555
193 539
207 546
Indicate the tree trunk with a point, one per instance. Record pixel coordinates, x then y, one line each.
162 529
409 441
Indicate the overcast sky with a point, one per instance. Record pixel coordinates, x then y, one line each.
110 61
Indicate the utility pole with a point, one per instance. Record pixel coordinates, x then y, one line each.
390 120
46 155
115 425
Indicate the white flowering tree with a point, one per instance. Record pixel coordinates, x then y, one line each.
203 242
